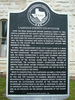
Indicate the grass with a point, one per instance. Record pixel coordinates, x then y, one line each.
72 90
3 89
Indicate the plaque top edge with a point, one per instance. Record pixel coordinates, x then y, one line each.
38 2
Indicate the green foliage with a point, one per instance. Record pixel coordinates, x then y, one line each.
72 90
3 89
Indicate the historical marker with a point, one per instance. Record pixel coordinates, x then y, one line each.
38 53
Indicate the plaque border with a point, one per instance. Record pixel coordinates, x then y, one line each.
63 96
